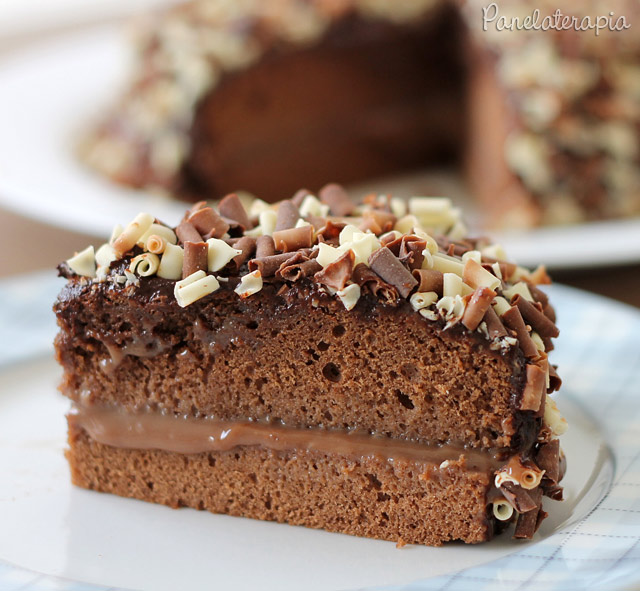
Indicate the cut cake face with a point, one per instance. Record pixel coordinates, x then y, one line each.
365 369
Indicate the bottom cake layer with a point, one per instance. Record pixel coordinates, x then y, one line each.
405 501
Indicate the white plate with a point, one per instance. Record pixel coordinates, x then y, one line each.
592 540
54 528
51 92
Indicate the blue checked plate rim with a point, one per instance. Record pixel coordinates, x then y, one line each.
601 551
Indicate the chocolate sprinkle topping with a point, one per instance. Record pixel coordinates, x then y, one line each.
389 267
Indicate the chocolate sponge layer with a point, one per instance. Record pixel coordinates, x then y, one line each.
403 501
298 359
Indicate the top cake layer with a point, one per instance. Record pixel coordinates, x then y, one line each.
385 319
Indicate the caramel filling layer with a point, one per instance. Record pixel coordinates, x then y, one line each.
191 435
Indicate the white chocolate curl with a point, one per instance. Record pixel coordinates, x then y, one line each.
158 230
105 255
194 287
349 296
519 288
502 510
423 299
83 263
553 419
268 219
145 264
132 233
156 244
171 262
249 284
219 254
477 276
313 206
447 264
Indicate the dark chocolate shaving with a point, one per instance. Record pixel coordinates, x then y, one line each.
506 269
538 295
513 320
208 223
554 492
268 266
548 459
411 249
538 321
371 281
186 232
378 221
287 216
330 233
429 280
298 267
195 258
337 199
554 379
477 305
293 238
231 207
248 246
265 247
518 497
528 522
495 327
389 267
337 273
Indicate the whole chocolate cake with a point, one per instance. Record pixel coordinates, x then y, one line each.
364 369
271 95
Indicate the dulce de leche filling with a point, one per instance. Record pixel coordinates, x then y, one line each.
186 435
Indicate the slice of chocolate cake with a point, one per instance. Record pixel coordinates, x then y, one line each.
362 369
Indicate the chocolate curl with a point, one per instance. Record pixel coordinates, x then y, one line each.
540 276
293 238
411 249
538 295
336 274
495 328
528 522
518 497
337 199
330 233
478 304
429 280
534 389
247 245
231 208
538 321
370 225
268 266
195 258
298 198
548 459
507 269
297 267
366 278
389 267
208 223
554 492
265 247
549 312
186 232
513 319
378 221
287 216
554 379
